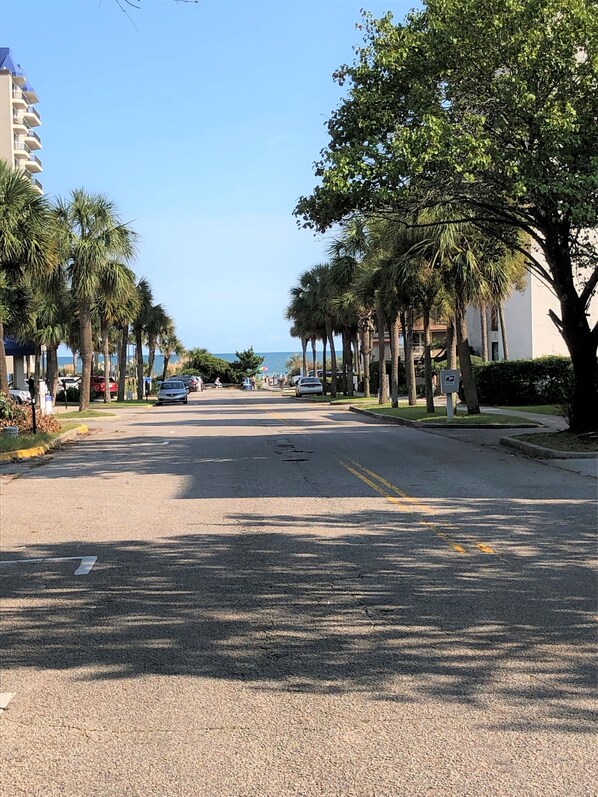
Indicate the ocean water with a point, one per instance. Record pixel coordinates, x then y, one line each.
274 361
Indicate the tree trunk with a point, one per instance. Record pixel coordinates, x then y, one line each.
394 362
356 359
86 343
314 359
74 362
451 355
304 350
139 354
347 363
324 383
407 323
503 330
151 356
166 363
122 362
333 365
574 326
3 366
484 332
381 324
366 344
52 355
106 347
471 396
428 362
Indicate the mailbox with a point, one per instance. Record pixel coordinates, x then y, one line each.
449 381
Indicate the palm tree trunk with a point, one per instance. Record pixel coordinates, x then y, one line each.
347 363
166 363
86 343
333 385
503 331
366 344
304 350
52 355
428 362
394 362
484 331
74 361
122 361
106 346
451 355
3 366
471 396
407 324
357 359
139 352
382 383
324 383
314 359
151 356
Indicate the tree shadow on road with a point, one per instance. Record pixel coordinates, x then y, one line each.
360 602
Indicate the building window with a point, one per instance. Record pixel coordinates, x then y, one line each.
494 351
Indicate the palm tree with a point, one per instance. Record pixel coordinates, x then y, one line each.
25 239
117 304
157 323
169 344
146 300
92 236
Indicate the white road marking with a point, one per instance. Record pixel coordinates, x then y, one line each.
5 698
87 562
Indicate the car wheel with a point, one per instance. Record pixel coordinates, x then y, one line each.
185 401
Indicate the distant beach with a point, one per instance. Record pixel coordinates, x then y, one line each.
274 361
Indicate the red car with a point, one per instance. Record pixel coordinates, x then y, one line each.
98 385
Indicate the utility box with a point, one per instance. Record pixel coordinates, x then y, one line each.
449 380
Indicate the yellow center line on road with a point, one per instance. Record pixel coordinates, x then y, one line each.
367 476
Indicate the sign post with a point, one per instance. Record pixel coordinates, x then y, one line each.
449 384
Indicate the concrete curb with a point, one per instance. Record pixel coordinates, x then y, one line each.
38 451
444 424
540 452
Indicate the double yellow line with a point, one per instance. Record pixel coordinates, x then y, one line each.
396 496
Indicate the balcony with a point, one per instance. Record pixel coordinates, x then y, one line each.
18 99
18 125
21 151
37 185
31 116
30 93
33 165
32 140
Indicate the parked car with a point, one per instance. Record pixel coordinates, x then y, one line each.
20 396
97 387
172 391
190 381
69 381
309 386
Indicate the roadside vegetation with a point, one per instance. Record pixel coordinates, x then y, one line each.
29 440
562 441
420 413
462 155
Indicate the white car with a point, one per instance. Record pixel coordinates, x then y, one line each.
171 392
20 396
309 386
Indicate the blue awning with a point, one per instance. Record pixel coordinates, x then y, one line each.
14 348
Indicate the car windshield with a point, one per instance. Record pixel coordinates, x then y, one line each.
310 381
172 385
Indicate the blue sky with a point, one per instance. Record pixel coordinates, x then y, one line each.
202 124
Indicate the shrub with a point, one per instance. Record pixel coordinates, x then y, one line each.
21 415
545 380
72 395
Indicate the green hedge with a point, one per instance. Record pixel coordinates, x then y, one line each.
545 380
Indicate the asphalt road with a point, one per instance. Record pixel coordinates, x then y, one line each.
288 599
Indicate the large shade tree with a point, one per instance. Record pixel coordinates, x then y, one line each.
92 236
494 107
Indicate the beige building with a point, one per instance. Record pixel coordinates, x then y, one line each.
19 117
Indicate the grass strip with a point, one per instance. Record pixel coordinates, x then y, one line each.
86 414
560 441
538 409
31 440
419 413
